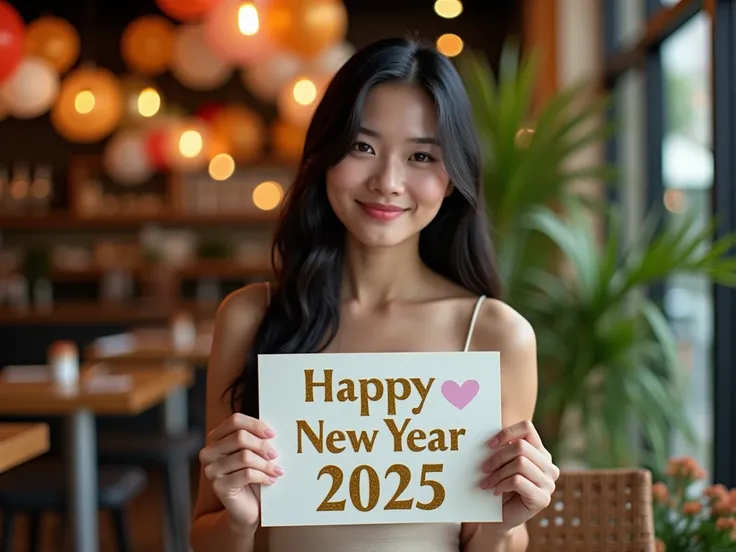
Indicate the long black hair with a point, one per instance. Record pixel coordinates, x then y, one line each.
308 249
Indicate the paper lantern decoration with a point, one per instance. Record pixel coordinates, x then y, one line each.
299 98
239 131
235 30
287 142
12 39
126 158
186 10
31 89
90 105
332 59
147 44
195 64
266 78
307 27
55 40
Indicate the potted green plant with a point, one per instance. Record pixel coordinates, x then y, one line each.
607 354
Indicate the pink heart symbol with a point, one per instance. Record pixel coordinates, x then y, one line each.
460 396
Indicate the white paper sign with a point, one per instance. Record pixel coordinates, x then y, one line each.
380 438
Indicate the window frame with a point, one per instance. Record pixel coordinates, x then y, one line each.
644 53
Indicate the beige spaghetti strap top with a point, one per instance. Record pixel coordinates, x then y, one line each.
421 537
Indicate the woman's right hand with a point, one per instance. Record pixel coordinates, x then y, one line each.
237 461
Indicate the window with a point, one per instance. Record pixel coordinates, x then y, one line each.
687 166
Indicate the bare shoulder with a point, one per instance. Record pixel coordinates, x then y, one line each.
236 323
501 328
242 308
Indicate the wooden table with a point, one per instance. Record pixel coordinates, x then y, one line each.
134 347
21 442
125 391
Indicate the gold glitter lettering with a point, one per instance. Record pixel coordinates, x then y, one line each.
438 440
303 427
337 477
454 437
363 440
396 433
366 397
392 396
404 474
374 488
423 392
413 437
332 438
438 491
310 384
347 391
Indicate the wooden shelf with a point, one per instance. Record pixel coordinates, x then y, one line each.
203 268
96 312
62 220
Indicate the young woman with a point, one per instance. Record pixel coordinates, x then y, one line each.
382 247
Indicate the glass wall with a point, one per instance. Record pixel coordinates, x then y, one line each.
687 165
676 136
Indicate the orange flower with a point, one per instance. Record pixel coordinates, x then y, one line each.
660 546
716 493
726 524
660 492
685 467
692 507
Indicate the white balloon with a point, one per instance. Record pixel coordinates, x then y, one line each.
32 88
268 77
330 61
126 159
194 64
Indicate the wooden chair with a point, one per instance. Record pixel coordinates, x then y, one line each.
596 511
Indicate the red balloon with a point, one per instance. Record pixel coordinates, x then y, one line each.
156 148
12 38
186 10
209 111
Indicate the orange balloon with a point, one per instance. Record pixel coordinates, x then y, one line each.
148 44
186 10
55 40
287 141
307 27
240 131
89 106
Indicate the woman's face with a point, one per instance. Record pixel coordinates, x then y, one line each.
392 182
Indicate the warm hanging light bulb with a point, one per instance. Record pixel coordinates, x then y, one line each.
84 102
248 22
305 92
190 143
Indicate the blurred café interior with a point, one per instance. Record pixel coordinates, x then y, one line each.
145 148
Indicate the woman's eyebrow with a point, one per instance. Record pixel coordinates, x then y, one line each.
417 140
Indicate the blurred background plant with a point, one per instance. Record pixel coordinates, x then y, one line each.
610 377
688 518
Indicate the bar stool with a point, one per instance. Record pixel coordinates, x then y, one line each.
40 486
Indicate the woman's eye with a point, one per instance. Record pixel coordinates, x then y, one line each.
422 157
362 147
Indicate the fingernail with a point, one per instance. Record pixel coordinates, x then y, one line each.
269 433
496 492
278 470
494 442
484 484
272 480
273 454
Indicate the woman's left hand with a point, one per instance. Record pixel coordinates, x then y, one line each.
522 470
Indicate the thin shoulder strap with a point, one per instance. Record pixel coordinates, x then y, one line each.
268 293
472 322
